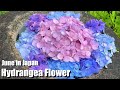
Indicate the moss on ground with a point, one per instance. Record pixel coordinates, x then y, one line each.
3 12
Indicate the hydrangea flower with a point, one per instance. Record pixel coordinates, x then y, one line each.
75 15
60 65
21 45
106 43
100 58
29 52
97 26
59 14
106 46
88 67
83 68
64 39
34 21
59 41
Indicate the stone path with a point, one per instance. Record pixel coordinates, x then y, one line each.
14 20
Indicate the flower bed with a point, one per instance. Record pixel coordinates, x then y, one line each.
61 41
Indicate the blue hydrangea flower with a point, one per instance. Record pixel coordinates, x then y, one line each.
29 52
106 46
89 67
75 15
85 67
60 65
23 45
58 14
97 26
100 58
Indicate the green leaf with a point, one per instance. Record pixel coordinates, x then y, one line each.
117 31
117 20
112 16
108 22
94 13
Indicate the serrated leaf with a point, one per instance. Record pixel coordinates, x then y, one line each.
108 22
118 33
117 29
103 14
117 26
94 13
112 16
117 20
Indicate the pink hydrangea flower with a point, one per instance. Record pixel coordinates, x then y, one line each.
65 39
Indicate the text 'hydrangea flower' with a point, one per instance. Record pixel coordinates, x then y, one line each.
65 39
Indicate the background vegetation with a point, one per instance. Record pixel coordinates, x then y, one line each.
111 18
3 12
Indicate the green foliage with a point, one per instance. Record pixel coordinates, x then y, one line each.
111 18
3 12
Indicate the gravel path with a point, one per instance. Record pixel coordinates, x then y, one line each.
13 21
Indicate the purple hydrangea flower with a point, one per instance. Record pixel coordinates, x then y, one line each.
33 22
97 26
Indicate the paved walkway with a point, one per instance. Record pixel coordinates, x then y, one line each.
9 25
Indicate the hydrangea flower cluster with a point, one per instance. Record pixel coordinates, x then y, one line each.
59 14
106 46
97 26
33 23
60 41
65 39
29 52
